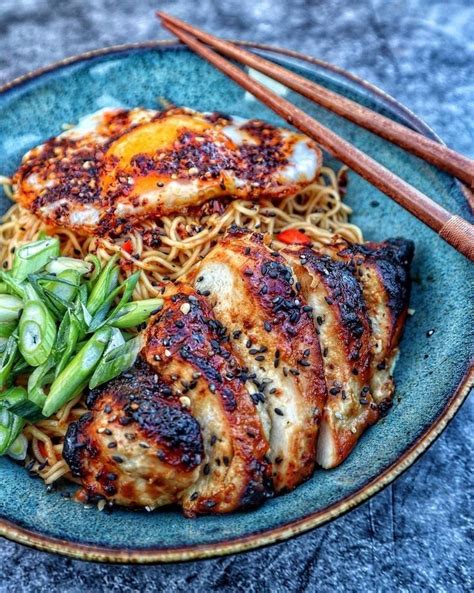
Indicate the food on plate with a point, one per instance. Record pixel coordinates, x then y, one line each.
239 348
187 316
118 166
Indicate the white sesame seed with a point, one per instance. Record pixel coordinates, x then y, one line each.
185 308
167 353
185 401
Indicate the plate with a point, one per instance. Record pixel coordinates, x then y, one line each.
433 374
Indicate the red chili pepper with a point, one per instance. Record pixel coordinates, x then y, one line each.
291 236
42 449
128 246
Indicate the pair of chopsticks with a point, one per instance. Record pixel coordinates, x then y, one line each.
452 228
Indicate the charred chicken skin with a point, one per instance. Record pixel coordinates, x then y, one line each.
259 366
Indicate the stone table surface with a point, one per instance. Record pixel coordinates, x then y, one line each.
416 534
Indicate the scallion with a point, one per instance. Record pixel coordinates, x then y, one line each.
7 328
10 307
77 373
32 257
61 264
7 360
116 361
135 313
106 282
37 332
18 449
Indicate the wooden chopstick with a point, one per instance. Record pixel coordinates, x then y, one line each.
433 152
452 228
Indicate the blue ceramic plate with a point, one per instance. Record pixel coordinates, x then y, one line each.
432 374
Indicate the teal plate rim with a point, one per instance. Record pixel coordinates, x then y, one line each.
271 536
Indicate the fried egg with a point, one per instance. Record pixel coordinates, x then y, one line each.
119 167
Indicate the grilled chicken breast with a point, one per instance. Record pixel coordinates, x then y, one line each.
341 321
138 446
259 366
254 294
189 347
118 167
383 272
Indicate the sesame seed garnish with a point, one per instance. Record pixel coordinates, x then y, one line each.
267 326
207 469
185 308
112 445
278 412
117 459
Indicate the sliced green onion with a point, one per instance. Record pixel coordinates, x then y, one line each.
97 269
68 334
106 282
16 401
63 288
7 360
6 421
10 307
116 361
41 376
7 328
10 428
134 313
3 288
18 448
32 257
77 373
3 344
13 286
63 264
127 289
12 396
37 332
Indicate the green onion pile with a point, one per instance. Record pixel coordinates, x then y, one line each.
61 325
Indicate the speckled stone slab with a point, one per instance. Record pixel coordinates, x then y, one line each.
415 534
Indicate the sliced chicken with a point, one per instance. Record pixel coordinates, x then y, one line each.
118 167
341 321
190 350
254 295
138 446
383 271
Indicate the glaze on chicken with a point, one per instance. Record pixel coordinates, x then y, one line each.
259 366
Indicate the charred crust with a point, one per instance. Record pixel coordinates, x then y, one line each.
392 259
344 291
201 341
76 443
172 427
259 487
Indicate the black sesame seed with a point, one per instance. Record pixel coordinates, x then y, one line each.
117 459
107 409
267 326
213 440
226 461
112 445
304 363
207 469
278 412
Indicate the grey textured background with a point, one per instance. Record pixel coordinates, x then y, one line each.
417 534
